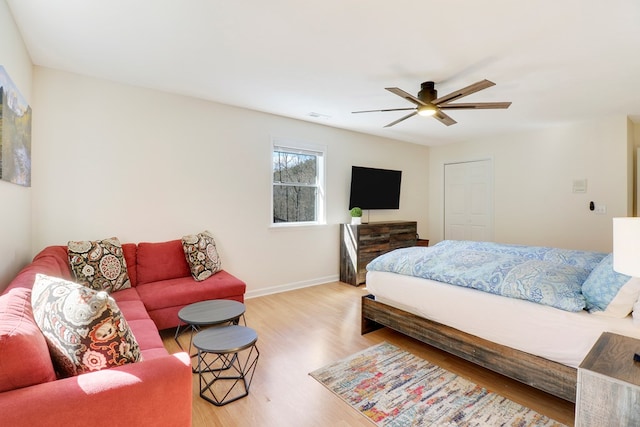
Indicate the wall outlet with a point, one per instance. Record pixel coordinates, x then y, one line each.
601 209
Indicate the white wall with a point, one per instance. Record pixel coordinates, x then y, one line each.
533 176
15 200
143 165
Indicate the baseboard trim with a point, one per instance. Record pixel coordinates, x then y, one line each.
291 286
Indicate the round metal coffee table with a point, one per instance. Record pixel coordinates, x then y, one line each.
227 360
207 313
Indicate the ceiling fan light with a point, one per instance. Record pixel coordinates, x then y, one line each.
427 110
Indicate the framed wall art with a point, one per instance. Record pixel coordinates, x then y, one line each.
15 133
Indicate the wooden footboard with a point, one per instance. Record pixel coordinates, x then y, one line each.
543 374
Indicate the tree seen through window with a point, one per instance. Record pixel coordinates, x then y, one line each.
295 186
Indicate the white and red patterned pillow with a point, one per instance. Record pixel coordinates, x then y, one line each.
84 328
99 264
202 255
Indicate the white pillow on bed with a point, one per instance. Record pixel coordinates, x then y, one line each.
609 293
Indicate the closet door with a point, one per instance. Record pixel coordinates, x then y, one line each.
468 201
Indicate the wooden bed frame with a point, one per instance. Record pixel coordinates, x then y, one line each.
543 374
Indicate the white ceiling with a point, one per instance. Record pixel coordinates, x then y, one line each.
556 60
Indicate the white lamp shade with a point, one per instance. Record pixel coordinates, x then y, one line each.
626 246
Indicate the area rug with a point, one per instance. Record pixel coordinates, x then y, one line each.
395 388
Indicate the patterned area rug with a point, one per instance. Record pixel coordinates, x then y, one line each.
395 388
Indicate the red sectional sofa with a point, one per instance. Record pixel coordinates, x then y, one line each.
155 391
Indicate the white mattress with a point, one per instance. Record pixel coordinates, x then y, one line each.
554 334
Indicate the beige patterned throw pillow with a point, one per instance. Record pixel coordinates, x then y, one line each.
202 255
99 264
84 328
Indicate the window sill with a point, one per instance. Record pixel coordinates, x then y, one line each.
292 225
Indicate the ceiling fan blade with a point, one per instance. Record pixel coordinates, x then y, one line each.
475 106
444 118
401 119
383 111
405 95
465 91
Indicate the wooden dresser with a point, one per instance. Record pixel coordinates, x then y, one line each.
609 384
359 244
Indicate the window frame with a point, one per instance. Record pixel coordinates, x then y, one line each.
296 147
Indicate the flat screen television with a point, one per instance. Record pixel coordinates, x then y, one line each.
375 188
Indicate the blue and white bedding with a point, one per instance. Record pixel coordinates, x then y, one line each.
547 276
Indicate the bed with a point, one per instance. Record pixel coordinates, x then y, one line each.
530 313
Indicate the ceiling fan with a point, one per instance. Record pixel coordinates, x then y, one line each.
428 103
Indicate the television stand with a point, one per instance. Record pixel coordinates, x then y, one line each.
361 243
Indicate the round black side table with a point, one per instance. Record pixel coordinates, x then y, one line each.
207 313
227 360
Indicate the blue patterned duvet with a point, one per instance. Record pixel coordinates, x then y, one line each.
546 276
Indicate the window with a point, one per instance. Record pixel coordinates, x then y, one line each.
298 183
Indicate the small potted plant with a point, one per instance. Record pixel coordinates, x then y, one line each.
356 215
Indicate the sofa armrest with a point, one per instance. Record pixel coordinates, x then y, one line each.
152 392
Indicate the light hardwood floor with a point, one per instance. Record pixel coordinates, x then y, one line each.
302 330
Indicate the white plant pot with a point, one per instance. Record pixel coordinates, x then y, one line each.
355 220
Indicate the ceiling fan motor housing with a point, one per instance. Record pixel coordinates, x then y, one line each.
428 92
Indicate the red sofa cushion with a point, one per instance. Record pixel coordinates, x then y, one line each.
130 294
47 262
24 356
161 261
147 335
129 252
183 291
54 255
